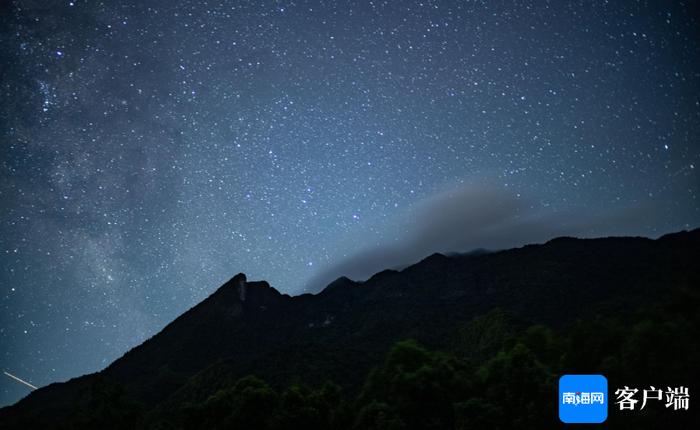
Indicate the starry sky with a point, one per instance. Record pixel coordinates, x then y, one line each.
150 150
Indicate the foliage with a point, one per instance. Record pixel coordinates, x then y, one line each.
418 388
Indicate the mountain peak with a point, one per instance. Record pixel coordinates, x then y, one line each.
339 284
239 278
240 289
240 283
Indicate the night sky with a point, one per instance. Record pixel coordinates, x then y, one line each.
150 150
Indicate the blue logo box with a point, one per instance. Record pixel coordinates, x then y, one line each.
583 399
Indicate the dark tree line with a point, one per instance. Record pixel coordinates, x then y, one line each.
495 374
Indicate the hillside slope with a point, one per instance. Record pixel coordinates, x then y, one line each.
339 334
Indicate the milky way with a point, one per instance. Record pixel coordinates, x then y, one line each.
151 150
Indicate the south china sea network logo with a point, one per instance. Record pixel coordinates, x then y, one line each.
583 399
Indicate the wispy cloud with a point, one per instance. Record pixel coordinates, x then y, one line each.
490 217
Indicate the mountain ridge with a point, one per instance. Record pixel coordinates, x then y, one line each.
250 327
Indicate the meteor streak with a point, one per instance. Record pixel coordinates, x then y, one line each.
20 380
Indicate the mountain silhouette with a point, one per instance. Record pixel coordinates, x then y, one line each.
247 327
